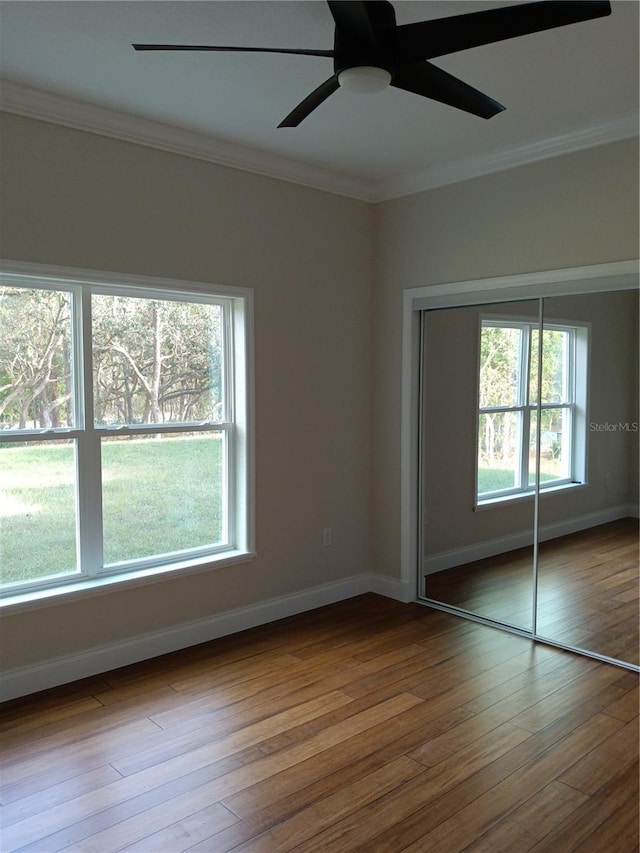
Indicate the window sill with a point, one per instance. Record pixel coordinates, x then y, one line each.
86 588
523 497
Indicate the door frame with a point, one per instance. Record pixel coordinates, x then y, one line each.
620 275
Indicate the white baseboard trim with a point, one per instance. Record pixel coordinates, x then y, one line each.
493 547
392 588
633 511
583 522
52 673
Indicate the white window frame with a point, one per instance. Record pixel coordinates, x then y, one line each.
236 425
574 403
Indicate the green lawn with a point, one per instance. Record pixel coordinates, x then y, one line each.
159 496
493 479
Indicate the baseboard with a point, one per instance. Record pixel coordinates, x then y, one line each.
584 522
392 588
52 673
502 544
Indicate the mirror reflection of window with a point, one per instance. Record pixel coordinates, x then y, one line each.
509 385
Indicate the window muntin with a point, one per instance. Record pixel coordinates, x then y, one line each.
508 431
192 434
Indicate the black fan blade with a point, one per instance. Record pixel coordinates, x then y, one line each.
427 39
353 19
209 47
311 102
425 79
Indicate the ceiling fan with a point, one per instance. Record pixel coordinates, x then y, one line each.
371 51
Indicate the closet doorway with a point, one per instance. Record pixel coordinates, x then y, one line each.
520 468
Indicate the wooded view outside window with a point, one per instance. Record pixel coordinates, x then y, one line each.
508 407
156 361
116 430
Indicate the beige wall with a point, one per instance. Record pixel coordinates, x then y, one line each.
81 200
570 211
327 377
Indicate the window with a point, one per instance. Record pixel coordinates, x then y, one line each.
124 429
508 386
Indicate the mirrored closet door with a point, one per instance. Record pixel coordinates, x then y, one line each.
477 463
588 578
529 467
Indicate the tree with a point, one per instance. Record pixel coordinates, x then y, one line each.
35 365
154 361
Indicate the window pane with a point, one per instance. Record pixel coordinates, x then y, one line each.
533 440
156 361
499 366
37 510
162 494
36 383
555 451
555 368
533 368
498 451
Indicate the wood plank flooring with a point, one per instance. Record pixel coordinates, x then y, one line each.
368 725
588 589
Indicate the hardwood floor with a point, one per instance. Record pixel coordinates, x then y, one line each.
588 589
368 725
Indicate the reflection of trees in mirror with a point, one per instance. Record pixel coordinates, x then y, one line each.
35 359
156 361
499 386
499 360
555 353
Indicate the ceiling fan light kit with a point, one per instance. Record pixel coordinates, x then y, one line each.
364 79
372 52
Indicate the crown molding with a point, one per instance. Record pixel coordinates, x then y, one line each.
82 115
624 127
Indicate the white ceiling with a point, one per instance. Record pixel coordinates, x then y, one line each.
564 89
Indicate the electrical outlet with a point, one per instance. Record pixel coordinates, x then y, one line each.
326 537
